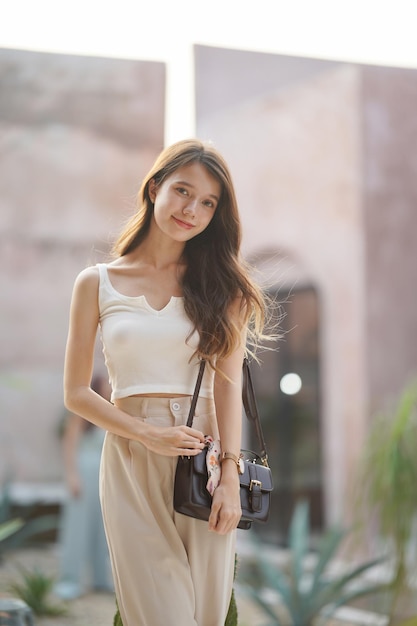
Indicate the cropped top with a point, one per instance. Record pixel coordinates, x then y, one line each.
147 351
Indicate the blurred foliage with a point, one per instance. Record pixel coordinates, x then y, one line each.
15 531
34 589
386 483
9 528
302 595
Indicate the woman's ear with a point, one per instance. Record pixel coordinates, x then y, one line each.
152 189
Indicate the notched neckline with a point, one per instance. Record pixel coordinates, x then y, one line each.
142 297
172 300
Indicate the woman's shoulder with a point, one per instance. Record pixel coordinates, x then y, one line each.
88 278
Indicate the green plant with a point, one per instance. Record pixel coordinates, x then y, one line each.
9 528
117 619
232 616
386 484
14 531
304 595
34 590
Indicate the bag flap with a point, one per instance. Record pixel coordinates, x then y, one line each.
253 471
260 473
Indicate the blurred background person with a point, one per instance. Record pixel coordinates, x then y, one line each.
83 554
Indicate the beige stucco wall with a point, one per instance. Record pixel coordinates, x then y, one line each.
295 156
76 136
324 163
324 160
390 210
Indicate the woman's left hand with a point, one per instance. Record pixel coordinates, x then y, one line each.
225 509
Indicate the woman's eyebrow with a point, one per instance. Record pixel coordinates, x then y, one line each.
184 182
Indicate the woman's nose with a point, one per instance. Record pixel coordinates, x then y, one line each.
190 208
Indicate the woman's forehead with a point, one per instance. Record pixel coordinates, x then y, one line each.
197 176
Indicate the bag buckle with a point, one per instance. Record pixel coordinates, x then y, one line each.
255 495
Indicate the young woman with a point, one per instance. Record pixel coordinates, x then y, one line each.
177 291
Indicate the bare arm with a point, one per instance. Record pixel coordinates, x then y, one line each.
226 511
82 400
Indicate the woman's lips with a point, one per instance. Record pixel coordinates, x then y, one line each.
182 224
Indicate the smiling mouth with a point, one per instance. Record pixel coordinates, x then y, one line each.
186 225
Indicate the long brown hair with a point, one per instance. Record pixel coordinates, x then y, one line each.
215 276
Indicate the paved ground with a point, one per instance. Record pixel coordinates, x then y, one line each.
93 609
99 609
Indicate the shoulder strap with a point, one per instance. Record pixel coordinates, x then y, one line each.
102 271
251 409
195 394
249 404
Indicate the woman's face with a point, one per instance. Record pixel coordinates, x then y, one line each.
185 202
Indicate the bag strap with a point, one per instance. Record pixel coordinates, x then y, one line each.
251 409
249 404
195 394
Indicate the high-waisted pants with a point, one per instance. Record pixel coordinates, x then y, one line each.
168 568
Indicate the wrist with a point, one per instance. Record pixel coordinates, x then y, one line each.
228 458
229 475
143 432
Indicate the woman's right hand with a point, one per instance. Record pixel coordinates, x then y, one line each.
173 440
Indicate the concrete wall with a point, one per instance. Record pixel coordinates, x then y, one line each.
76 136
324 162
301 156
390 213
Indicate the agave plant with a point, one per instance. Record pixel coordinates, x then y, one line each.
9 528
305 595
34 589
14 531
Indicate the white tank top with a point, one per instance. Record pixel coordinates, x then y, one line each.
148 351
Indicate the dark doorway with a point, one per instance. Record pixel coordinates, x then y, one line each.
291 416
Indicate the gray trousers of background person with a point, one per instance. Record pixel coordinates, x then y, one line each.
84 555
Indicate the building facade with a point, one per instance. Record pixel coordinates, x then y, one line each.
324 161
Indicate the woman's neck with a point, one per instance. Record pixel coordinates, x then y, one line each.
159 251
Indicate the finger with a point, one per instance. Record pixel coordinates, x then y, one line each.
187 451
223 521
214 517
193 444
222 527
197 434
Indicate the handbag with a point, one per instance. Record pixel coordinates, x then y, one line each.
191 496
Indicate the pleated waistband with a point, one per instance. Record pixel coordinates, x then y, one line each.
145 406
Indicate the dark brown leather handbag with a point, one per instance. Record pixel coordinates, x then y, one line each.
190 493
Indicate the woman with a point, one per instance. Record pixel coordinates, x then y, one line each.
176 292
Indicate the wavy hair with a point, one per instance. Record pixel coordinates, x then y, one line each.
216 276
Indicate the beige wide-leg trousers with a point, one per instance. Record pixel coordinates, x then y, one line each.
168 569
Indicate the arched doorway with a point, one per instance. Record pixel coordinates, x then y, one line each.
287 387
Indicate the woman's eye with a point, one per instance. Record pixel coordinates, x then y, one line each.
209 204
182 191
